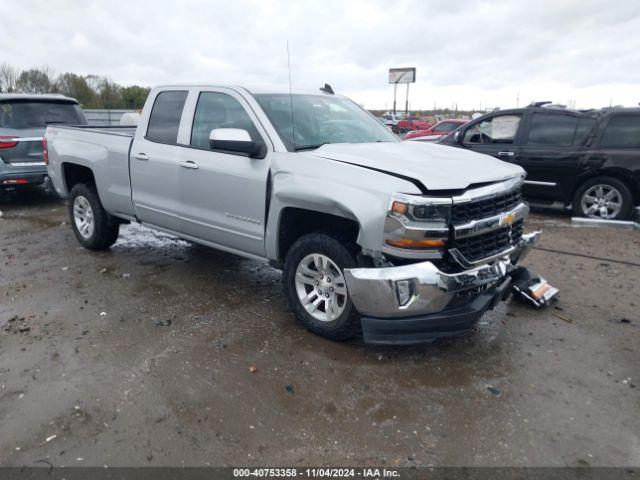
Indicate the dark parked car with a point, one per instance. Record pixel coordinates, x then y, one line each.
586 160
23 120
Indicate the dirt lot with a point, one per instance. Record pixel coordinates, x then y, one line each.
141 355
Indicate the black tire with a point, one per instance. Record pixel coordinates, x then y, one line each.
625 193
105 228
344 255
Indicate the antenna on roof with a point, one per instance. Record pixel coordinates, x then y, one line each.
293 125
327 88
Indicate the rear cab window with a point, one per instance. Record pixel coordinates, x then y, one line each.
622 131
164 121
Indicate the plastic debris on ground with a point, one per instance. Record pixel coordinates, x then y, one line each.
532 290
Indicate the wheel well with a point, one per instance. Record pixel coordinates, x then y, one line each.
74 174
296 222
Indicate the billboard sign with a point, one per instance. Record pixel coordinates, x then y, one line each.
402 75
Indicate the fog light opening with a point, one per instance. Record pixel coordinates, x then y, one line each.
404 291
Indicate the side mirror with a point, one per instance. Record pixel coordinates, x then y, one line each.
235 140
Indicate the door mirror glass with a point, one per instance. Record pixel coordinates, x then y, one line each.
234 140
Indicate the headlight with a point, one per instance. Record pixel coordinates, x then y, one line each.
417 223
422 213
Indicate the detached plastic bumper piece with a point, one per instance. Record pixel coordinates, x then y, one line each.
532 290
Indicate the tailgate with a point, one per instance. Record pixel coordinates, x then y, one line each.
21 151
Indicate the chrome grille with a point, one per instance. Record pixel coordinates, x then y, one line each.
462 213
491 243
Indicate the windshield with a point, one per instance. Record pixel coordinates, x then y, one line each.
321 119
35 114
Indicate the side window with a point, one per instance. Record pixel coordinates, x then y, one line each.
548 129
219 110
164 120
499 129
622 131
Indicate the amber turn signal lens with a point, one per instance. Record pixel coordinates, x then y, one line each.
409 243
399 208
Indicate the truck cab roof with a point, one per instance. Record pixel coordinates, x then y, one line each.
257 90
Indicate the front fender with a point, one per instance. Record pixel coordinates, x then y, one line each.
367 207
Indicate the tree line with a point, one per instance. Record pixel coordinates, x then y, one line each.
92 91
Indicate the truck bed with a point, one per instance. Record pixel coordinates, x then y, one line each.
104 150
125 131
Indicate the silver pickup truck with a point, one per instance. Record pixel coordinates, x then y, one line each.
402 241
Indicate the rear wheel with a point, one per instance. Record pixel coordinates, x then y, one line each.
315 286
95 229
604 198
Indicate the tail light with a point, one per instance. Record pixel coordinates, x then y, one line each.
8 142
45 151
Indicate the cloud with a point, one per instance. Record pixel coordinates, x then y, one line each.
466 52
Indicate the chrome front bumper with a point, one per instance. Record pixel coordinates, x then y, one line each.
421 288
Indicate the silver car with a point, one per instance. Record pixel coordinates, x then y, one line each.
23 120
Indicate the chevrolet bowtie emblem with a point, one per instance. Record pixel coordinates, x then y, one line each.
508 219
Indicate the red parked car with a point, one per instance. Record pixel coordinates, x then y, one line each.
412 123
443 127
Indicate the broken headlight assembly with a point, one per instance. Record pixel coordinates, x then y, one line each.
417 227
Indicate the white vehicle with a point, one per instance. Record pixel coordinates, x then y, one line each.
392 119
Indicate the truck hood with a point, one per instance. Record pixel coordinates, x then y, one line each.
436 167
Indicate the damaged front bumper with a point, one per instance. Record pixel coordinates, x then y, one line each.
418 302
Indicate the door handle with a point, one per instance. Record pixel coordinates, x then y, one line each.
506 154
141 156
189 164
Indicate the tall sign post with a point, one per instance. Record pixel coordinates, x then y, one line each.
401 75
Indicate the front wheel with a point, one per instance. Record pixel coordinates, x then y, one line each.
315 286
604 198
95 229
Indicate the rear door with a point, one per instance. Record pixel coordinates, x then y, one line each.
552 154
498 136
224 194
619 145
154 161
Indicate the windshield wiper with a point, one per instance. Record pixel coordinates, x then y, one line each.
308 147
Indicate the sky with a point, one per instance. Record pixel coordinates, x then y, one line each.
473 54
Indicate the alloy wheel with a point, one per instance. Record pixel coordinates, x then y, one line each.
321 287
601 201
83 216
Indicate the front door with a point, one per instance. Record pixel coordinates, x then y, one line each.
223 195
495 136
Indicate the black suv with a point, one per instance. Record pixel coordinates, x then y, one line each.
589 160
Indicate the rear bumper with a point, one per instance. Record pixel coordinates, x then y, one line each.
13 178
418 302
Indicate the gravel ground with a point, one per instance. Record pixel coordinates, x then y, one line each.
161 352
